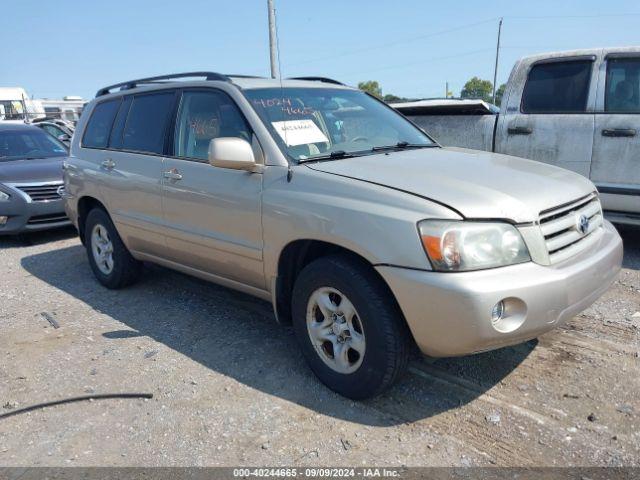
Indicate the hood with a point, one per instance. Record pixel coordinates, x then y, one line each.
476 184
37 170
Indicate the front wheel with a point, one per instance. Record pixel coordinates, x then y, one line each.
349 327
111 262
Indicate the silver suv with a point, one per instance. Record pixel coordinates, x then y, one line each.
361 230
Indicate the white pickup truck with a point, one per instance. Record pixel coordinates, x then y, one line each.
579 110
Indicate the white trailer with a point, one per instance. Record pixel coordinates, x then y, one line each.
15 105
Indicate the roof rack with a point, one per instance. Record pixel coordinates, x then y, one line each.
318 79
150 80
242 75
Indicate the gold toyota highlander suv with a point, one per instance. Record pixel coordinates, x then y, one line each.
358 227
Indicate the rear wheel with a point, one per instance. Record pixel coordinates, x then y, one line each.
349 327
111 262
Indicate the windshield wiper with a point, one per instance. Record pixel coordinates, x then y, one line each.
402 146
338 154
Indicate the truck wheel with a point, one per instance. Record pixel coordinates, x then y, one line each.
111 262
350 330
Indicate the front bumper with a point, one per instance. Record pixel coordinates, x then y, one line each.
25 215
449 314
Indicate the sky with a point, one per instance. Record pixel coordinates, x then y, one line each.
411 47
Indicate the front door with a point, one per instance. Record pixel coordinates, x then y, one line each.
212 215
552 121
616 148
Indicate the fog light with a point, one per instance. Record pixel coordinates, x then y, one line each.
3 219
497 312
508 314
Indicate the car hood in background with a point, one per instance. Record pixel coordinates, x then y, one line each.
476 184
36 170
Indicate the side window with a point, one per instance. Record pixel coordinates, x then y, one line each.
96 135
204 116
147 121
557 87
51 130
622 93
115 140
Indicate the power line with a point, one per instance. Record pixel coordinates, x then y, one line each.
546 17
426 60
397 42
454 29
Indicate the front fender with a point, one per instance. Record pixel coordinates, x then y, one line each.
376 222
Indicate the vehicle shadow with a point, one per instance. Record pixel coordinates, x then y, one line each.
37 238
236 335
631 241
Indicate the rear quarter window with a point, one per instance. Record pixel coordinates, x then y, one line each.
96 135
557 87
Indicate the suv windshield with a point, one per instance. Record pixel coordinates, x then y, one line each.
314 123
28 144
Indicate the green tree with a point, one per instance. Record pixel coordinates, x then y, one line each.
372 87
477 88
500 93
391 98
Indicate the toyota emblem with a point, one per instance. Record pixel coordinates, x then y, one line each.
582 223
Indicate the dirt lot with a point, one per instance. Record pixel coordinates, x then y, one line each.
231 388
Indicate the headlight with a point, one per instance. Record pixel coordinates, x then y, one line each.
461 246
3 196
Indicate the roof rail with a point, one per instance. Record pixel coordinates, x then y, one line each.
242 75
318 79
134 83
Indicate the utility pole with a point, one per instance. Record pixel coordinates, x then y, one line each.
495 71
446 90
272 39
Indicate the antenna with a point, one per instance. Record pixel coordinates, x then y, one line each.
495 71
24 106
273 34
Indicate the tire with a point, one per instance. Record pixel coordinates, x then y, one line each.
377 320
125 269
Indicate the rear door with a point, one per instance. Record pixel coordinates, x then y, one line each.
212 215
132 167
551 119
616 148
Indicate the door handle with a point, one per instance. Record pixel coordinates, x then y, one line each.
108 164
619 132
519 130
172 174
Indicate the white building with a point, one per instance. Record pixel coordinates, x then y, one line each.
68 108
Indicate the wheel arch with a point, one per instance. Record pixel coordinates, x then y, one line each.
85 205
299 253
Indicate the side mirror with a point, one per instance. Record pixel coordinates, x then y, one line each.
232 152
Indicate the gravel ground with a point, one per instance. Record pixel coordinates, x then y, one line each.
231 388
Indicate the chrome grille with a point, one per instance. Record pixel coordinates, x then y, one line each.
560 227
43 192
